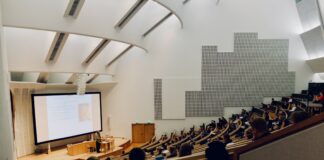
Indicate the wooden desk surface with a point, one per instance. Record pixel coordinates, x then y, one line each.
62 153
314 105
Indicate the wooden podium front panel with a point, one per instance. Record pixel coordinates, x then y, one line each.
138 133
80 148
142 132
149 132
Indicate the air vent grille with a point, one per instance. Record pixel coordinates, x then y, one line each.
120 54
96 51
158 23
56 47
74 7
135 8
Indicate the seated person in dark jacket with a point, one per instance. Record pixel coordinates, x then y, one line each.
185 150
299 116
259 128
227 139
173 152
216 150
136 154
93 158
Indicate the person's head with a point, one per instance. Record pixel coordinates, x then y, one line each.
172 149
93 158
321 93
298 116
259 127
216 150
137 154
226 137
185 150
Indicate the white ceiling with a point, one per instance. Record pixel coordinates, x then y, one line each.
31 25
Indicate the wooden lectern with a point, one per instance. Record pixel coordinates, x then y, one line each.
142 132
80 148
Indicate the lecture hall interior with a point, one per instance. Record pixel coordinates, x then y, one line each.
161 79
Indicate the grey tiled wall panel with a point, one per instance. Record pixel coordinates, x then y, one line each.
257 68
158 99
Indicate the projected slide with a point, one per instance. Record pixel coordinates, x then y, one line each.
62 116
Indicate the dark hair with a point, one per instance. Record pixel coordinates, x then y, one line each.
185 150
259 124
92 158
216 150
226 136
136 154
299 116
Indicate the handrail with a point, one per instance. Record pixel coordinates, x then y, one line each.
181 141
159 144
290 130
152 143
222 133
237 128
197 137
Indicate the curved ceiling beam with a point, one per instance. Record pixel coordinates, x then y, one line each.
172 11
82 34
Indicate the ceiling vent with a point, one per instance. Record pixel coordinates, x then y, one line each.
131 12
73 9
96 51
157 24
56 47
119 55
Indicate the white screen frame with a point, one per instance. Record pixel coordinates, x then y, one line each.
37 142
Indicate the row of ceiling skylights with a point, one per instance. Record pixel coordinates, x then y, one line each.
73 10
58 44
75 6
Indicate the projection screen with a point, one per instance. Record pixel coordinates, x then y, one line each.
66 115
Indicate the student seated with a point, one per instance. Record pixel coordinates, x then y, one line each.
298 116
216 150
172 152
185 150
227 139
136 154
259 128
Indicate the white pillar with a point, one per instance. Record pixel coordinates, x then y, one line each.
7 151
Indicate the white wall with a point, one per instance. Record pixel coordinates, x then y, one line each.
176 52
7 151
173 52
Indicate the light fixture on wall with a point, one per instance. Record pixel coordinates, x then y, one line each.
81 83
